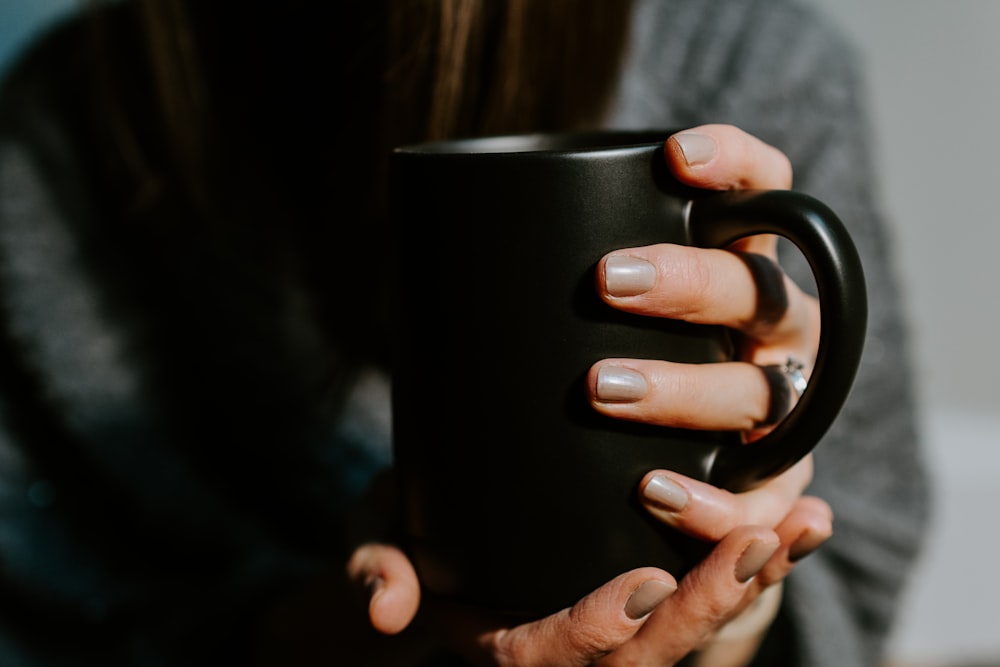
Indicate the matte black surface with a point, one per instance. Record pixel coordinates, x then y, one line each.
515 494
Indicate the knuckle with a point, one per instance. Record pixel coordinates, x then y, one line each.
693 271
711 611
579 632
779 166
685 395
587 637
682 383
763 161
788 172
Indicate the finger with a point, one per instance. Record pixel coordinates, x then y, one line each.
806 528
744 291
724 396
710 513
593 627
392 584
714 592
723 157
743 631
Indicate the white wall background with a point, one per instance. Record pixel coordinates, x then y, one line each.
933 71
934 81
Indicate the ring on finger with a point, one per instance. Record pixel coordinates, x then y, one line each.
786 383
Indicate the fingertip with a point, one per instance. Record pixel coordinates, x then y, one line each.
392 608
647 596
723 157
659 491
696 508
755 555
365 563
691 149
392 585
816 528
808 542
817 507
636 593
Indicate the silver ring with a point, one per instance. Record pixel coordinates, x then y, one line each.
792 369
786 383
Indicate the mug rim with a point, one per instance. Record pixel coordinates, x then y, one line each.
541 142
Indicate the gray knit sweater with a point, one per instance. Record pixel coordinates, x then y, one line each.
778 71
121 543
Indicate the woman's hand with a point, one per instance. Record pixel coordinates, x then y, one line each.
743 288
639 618
725 604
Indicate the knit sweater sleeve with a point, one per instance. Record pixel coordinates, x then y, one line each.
778 71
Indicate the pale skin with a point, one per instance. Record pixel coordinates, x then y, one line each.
723 607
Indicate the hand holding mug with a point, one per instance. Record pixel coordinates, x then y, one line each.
692 339
740 287
721 608
745 559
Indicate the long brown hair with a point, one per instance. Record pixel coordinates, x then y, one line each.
232 164
280 117
473 67
408 69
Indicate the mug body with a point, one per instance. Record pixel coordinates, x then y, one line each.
514 493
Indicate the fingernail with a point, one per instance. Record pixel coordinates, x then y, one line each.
620 385
805 544
698 149
647 597
666 493
628 276
753 559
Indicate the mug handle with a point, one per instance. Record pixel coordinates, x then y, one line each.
719 219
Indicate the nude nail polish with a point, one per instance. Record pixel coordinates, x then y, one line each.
665 492
628 276
620 385
805 544
753 559
698 149
647 597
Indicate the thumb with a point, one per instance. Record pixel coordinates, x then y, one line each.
392 584
594 627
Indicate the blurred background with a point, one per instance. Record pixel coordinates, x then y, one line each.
933 71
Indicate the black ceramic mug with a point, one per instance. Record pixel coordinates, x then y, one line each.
514 493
